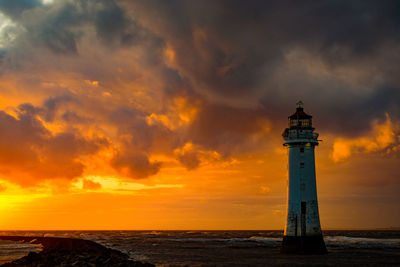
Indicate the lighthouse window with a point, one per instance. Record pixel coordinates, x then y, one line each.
303 187
301 164
301 149
293 123
305 123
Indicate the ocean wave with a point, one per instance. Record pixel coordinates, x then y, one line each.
258 239
194 239
331 241
152 233
263 239
13 246
361 242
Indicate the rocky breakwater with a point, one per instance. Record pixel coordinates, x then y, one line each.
59 251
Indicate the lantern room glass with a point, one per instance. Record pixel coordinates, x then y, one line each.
301 123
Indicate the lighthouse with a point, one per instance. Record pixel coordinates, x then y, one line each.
303 230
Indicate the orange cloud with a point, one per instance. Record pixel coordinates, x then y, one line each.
383 137
29 152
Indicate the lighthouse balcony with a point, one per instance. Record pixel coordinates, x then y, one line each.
292 136
299 134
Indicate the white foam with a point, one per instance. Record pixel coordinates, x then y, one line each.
263 239
19 246
10 250
361 242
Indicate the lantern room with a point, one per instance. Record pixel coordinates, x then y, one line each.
300 119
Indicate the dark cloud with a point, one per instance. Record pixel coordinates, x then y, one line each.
142 135
189 159
59 26
140 139
16 8
52 104
73 118
113 25
135 165
235 49
48 111
226 129
56 28
352 114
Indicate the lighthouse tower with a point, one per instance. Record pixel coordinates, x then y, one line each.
303 230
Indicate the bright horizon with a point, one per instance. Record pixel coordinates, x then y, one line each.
147 115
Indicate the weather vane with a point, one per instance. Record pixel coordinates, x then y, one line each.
299 104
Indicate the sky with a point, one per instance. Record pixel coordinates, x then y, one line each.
118 114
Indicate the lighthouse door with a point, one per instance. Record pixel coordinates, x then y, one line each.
303 218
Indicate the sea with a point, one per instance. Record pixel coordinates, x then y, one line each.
228 248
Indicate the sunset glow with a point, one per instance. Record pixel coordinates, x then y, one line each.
169 115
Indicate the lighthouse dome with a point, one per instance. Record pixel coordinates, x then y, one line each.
300 119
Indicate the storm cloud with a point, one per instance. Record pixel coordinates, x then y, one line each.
153 76
265 52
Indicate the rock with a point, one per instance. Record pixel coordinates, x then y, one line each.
71 252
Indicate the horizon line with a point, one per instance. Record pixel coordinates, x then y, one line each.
198 230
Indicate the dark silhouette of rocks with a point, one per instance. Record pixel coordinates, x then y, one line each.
59 251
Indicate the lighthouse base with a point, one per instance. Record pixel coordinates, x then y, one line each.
303 245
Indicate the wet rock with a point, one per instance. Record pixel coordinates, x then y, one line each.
72 252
